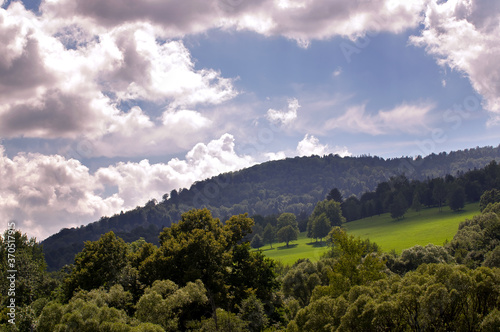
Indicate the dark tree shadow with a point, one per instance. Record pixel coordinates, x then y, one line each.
318 244
290 246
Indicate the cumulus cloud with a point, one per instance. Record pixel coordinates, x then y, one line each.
68 80
302 20
310 145
284 118
404 118
463 34
46 193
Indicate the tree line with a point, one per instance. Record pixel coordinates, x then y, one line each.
398 194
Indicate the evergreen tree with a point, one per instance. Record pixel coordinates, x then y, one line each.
416 205
399 206
456 199
439 192
335 195
256 241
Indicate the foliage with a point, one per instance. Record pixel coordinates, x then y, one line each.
31 278
224 322
269 235
201 247
398 207
252 311
476 240
416 203
257 241
288 234
326 210
489 197
300 281
321 226
335 195
436 297
97 265
165 304
292 185
456 198
410 259
352 287
79 315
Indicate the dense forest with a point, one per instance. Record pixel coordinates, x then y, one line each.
204 276
293 185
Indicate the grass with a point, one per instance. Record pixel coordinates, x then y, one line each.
424 227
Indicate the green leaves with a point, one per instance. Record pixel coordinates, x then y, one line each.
287 234
98 264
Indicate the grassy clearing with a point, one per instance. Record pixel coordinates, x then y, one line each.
424 227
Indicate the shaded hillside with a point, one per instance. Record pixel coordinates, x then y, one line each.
291 185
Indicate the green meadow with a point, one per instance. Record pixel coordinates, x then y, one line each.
424 227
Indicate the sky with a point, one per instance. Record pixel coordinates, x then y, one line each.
106 105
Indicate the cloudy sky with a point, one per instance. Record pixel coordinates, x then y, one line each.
108 104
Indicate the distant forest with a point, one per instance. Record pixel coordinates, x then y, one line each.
367 185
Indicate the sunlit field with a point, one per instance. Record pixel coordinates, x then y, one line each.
424 227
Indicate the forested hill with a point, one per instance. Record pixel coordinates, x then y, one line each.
291 185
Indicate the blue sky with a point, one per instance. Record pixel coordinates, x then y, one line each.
106 105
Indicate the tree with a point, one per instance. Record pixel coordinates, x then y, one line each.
489 196
286 219
335 195
351 209
331 209
198 247
456 198
269 235
201 247
252 311
439 192
25 255
98 264
399 206
321 226
287 234
300 281
168 305
256 241
416 205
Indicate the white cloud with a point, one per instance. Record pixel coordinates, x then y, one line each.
67 80
463 34
310 145
270 156
337 72
282 117
46 193
299 20
404 118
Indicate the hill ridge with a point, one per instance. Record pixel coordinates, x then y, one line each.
290 185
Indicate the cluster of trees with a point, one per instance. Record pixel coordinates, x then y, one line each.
438 288
398 194
294 185
285 228
201 277
204 277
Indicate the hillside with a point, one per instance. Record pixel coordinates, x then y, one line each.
291 185
417 228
